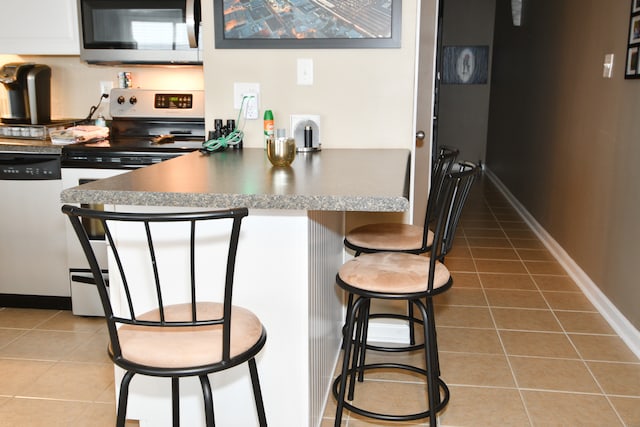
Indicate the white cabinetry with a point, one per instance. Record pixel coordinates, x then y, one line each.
36 27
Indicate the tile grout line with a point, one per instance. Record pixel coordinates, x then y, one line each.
504 349
566 334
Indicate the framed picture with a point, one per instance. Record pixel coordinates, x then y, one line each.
631 70
632 62
307 24
465 64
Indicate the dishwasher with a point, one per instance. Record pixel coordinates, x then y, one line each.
33 267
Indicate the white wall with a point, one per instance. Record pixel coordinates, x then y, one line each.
363 96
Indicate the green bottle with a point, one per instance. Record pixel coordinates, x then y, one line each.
268 126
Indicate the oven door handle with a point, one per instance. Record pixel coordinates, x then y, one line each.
89 280
192 17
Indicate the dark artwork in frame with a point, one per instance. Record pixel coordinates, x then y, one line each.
632 68
465 65
307 24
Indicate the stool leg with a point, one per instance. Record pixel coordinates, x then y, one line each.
122 400
175 401
344 327
347 344
433 388
364 320
257 393
412 330
358 344
208 400
432 325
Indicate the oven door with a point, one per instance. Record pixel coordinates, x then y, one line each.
140 31
72 177
84 295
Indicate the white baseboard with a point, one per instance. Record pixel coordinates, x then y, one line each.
620 324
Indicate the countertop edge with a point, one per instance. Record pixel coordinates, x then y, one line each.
223 201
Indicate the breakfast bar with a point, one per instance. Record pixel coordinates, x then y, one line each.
289 251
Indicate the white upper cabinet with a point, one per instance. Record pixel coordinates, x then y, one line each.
37 27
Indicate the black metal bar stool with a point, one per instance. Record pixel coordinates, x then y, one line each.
399 237
195 337
406 277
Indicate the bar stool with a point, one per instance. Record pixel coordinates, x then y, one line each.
195 337
406 277
399 237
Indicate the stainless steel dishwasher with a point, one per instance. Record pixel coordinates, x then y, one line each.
33 267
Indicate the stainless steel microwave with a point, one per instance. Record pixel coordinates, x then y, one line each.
140 31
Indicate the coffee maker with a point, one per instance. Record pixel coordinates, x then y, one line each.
28 88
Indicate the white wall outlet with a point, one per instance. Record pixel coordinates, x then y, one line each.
241 89
105 87
251 106
305 71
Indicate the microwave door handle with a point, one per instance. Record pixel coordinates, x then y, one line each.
193 21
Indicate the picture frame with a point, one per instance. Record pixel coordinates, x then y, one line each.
465 65
631 69
306 24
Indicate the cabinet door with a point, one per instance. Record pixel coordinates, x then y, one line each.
36 27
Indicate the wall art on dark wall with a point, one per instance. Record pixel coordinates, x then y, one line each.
465 65
304 24
632 70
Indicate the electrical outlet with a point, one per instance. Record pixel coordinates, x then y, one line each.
251 106
105 87
241 89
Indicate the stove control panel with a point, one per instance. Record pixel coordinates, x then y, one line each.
145 103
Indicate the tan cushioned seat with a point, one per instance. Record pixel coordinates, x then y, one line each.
392 272
389 236
175 347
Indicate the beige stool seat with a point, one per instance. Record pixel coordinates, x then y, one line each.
188 346
393 273
389 236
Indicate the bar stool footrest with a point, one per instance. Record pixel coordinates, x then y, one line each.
444 396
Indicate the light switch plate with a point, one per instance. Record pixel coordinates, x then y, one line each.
607 69
305 71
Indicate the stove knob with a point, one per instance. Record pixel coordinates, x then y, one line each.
121 100
133 100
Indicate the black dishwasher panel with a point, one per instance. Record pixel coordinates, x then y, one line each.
29 166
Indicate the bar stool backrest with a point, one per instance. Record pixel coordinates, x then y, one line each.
452 198
156 289
441 167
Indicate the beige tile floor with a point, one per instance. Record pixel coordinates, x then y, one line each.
520 345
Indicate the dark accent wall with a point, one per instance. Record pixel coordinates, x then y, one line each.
464 108
566 141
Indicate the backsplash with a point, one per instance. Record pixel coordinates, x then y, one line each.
75 85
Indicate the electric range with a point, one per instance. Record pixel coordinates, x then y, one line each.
147 127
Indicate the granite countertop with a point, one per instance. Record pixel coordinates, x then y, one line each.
29 146
374 180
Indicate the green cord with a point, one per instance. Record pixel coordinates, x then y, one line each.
234 138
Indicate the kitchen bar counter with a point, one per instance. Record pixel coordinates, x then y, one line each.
329 180
29 146
289 252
